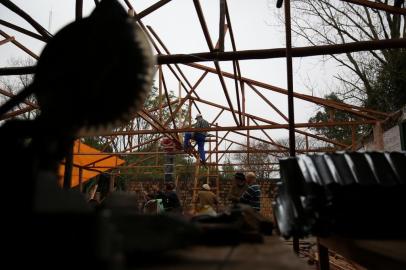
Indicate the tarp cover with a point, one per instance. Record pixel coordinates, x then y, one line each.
91 160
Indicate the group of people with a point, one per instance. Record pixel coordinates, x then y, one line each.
244 190
158 201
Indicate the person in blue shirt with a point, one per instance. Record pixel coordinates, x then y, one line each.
252 195
199 137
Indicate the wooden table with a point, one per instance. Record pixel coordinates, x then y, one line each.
274 254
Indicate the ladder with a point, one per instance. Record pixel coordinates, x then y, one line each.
211 170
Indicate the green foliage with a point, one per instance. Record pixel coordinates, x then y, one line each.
375 79
153 101
150 171
388 91
339 133
150 167
97 143
228 170
187 171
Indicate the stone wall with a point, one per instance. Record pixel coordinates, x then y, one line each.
185 190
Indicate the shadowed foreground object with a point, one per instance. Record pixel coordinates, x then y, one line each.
56 228
80 72
74 83
346 194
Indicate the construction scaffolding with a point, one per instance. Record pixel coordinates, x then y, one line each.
171 125
126 140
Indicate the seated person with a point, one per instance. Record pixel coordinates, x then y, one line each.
171 200
207 201
238 188
252 195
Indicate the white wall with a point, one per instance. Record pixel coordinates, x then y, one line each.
391 137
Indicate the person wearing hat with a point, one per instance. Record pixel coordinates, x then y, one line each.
207 201
238 188
199 137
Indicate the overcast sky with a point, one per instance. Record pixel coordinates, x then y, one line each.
178 26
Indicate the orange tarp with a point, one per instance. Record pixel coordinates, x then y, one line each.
92 160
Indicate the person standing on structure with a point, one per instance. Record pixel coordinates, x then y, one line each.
199 137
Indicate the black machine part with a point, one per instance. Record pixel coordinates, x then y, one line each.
357 194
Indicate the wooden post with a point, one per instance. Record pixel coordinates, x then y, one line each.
243 102
307 142
324 263
138 128
156 156
179 114
195 183
160 93
208 175
180 93
353 138
160 107
248 143
79 10
111 183
291 114
378 136
221 26
81 179
217 163
67 178
208 167
210 149
129 137
190 112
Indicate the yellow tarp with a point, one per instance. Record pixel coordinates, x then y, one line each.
94 160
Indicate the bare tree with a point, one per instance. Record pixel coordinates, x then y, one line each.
302 143
337 22
260 163
120 143
138 123
266 165
14 84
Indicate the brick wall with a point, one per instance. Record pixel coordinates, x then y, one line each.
185 187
